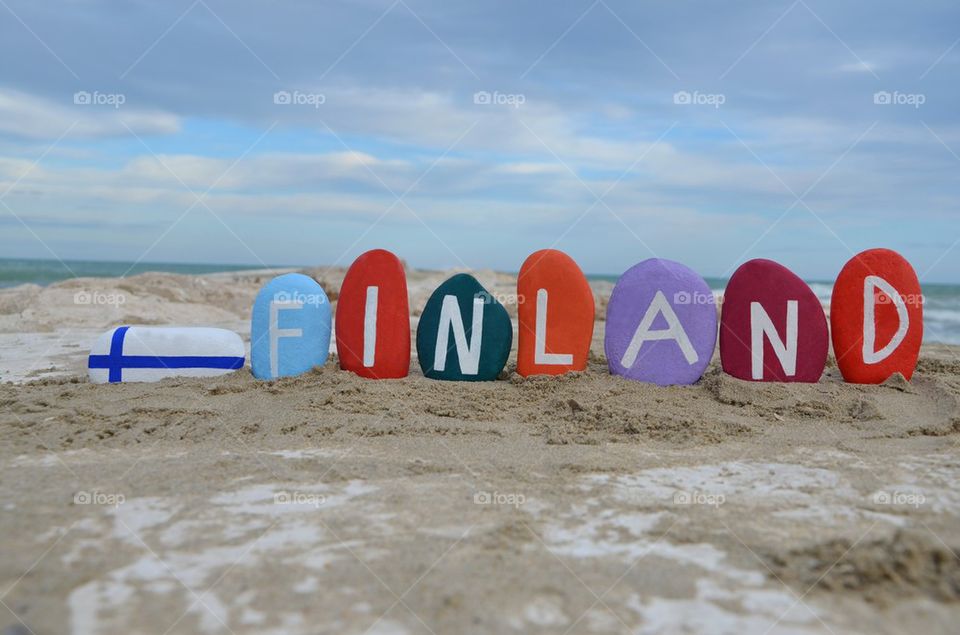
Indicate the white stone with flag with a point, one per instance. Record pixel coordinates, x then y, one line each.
151 353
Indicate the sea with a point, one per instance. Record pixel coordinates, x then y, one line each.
15 271
941 308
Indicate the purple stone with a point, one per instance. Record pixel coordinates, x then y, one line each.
661 324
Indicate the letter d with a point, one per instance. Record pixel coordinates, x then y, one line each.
870 354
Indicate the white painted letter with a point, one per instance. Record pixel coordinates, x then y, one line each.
370 327
276 332
870 354
674 331
760 326
468 354
540 354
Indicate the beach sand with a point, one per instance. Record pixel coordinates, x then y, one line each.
579 504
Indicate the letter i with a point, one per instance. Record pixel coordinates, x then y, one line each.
370 327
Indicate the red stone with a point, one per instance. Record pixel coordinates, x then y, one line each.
390 348
569 312
848 310
773 288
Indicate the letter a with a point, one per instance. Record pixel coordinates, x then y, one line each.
674 331
450 318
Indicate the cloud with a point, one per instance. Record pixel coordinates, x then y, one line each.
32 117
858 67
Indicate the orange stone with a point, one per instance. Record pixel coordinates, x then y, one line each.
876 317
556 313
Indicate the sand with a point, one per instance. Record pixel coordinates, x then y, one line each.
580 504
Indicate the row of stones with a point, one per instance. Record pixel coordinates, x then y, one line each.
661 325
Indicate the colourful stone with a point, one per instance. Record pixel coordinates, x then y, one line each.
876 315
152 353
373 317
464 334
661 324
555 314
290 329
772 326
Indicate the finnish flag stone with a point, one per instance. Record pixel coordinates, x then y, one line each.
152 353
290 328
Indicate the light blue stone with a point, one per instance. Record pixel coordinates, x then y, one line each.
290 329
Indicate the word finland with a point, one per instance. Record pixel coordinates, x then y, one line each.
662 326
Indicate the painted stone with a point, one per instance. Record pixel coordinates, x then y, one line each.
556 315
373 317
464 333
772 326
876 315
290 329
152 353
661 324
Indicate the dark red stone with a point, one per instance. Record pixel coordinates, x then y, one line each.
772 286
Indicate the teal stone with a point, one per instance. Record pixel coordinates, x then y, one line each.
472 329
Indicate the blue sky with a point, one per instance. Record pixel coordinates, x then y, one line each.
471 134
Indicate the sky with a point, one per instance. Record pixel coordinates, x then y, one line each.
470 134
